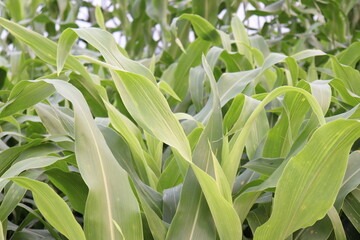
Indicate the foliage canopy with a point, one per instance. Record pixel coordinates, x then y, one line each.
160 119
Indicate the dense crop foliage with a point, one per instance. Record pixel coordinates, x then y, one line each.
161 119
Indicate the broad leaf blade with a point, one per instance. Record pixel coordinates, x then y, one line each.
54 208
147 105
301 198
110 195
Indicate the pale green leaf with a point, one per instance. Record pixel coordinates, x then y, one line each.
54 208
99 17
301 198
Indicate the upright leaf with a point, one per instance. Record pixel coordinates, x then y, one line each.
301 197
110 195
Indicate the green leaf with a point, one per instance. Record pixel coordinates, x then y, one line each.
24 95
149 198
14 195
105 43
294 70
8 156
282 136
16 8
221 180
102 174
265 166
307 53
196 86
202 28
231 165
351 179
45 49
207 9
336 222
241 37
54 208
301 198
231 84
110 194
191 196
55 121
147 106
157 226
99 17
191 58
258 216
351 208
258 130
133 137
1 232
349 56
30 163
321 230
167 89
348 75
72 185
347 96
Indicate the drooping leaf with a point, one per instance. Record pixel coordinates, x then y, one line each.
54 209
202 27
45 49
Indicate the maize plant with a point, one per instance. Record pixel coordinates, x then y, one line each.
180 120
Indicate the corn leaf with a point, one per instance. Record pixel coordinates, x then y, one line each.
52 207
300 198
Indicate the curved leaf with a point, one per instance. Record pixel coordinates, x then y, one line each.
54 208
301 197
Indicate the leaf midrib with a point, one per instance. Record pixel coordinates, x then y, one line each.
102 170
